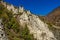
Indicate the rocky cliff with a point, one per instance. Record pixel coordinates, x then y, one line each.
21 24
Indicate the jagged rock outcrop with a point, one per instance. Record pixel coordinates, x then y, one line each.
37 27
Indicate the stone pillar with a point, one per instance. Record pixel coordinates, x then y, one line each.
21 9
28 12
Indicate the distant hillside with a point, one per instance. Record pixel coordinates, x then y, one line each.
54 16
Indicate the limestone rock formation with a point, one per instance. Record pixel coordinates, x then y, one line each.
37 27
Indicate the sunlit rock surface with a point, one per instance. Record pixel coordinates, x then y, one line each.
2 33
37 27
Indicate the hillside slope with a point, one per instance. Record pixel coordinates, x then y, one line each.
12 28
20 24
54 16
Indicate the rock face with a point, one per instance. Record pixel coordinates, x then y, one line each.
2 33
36 26
54 18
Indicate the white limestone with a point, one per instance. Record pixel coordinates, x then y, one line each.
28 12
21 9
2 33
38 28
10 8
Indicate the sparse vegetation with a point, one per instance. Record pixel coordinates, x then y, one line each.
11 26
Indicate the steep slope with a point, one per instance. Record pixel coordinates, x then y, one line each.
38 28
53 19
2 32
54 16
12 28
21 24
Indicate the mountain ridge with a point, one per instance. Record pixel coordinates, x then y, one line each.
54 16
20 24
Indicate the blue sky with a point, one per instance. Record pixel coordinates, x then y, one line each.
39 7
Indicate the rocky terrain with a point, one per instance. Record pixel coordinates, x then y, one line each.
54 16
2 32
21 24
